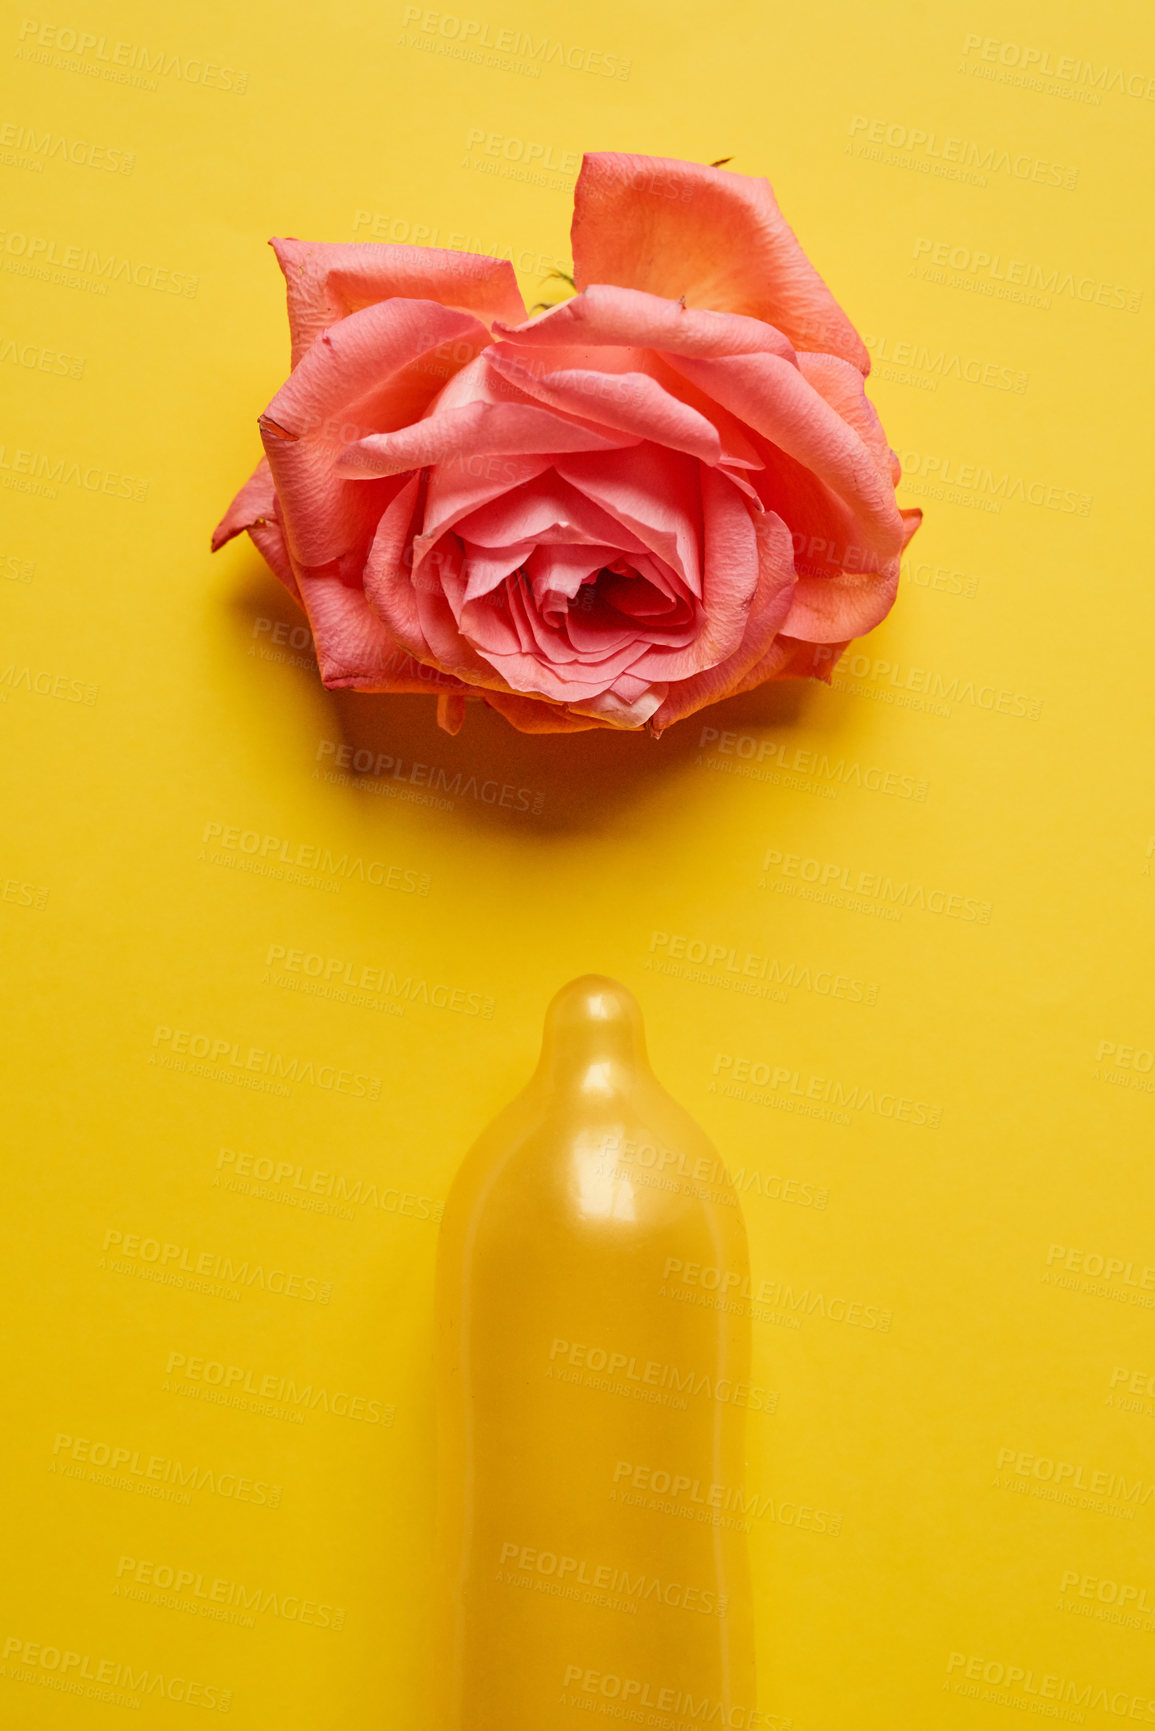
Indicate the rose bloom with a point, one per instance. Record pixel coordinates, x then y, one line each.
661 492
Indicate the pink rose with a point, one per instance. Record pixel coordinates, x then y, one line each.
663 491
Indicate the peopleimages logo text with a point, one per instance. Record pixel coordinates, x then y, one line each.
634 1693
38 251
222 1050
118 1682
975 261
115 60
273 852
1072 69
473 34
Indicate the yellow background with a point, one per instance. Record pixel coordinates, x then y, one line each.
983 1174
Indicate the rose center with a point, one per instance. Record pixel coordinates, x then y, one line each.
614 595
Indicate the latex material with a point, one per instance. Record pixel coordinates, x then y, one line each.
591 1424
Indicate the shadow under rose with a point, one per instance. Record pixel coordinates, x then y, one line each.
490 774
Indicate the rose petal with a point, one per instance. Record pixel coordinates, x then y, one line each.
779 662
768 609
256 512
486 567
600 332
605 316
841 385
675 228
354 647
342 388
463 438
389 577
654 494
731 570
327 281
531 715
911 518
775 400
526 658
451 713
547 510
252 504
563 657
738 452
412 606
557 573
633 403
623 710
845 604
827 534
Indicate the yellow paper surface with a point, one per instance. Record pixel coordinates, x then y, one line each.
890 937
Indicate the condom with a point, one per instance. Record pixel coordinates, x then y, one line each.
593 1390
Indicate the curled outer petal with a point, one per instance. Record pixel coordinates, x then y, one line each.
718 239
630 402
355 649
326 281
776 400
606 316
355 380
454 437
256 512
